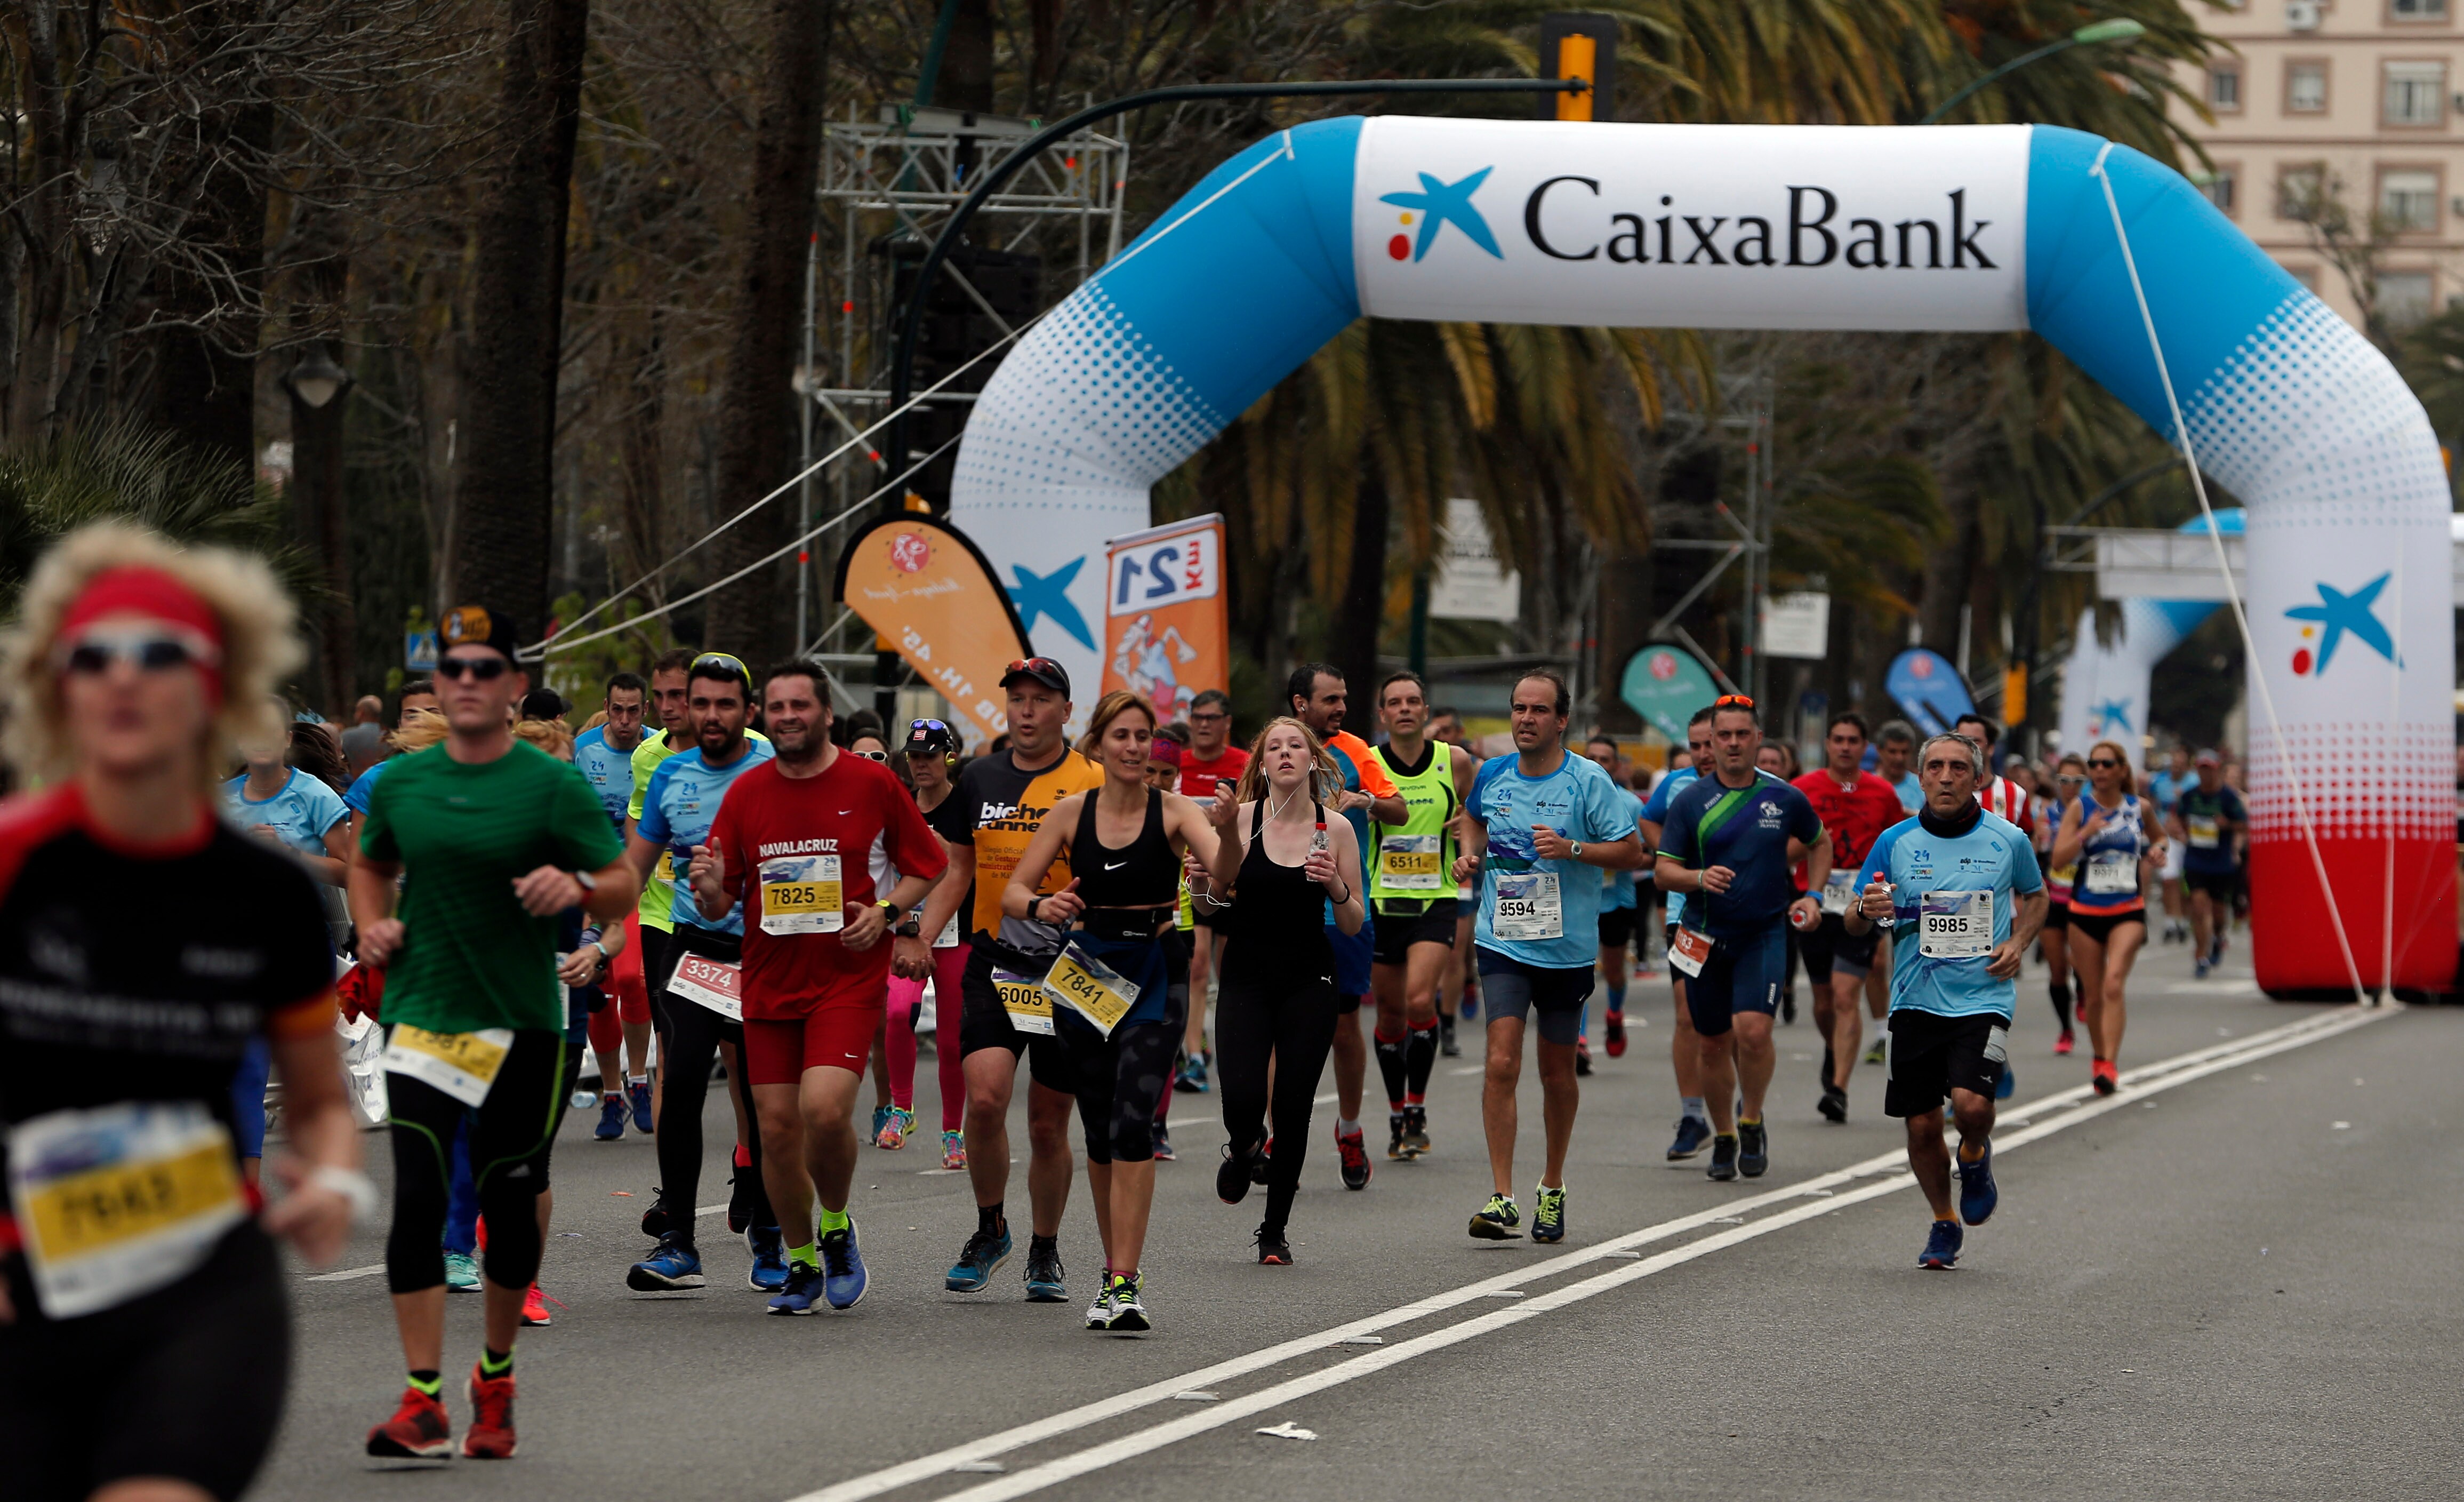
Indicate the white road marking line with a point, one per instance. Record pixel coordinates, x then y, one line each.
347 1274
2161 1076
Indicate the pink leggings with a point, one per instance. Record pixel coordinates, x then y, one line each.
906 1001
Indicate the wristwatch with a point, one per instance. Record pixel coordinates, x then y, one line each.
1578 849
589 882
891 911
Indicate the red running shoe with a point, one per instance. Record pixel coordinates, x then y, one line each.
491 1435
418 1430
534 1306
2104 1077
2062 1043
1616 1035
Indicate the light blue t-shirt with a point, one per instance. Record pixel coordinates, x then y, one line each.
1911 795
2166 789
677 810
1616 886
1992 857
610 772
356 798
303 812
1579 801
1656 811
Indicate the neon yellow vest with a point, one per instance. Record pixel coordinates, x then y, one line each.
1414 862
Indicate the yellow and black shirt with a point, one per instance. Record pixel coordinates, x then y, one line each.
996 807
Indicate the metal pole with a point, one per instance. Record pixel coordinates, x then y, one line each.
804 426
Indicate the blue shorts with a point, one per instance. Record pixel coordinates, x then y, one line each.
1354 954
247 1099
1743 975
1510 989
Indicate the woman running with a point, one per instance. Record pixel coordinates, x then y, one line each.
2112 836
2059 793
1286 863
932 759
1114 980
145 1319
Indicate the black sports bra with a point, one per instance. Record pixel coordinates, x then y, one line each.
1144 873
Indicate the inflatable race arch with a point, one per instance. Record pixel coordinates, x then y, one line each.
2106 684
1940 228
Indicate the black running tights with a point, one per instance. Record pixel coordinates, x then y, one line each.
688 1045
1289 1022
510 1134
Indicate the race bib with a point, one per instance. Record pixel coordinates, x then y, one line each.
803 894
1840 892
1092 988
716 984
2110 872
2203 832
463 1065
1527 907
1022 998
1409 863
120 1200
1954 925
948 937
1687 951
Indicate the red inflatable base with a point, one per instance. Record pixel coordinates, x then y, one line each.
2292 940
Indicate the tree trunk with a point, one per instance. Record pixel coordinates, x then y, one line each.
758 408
1363 610
505 491
316 450
966 81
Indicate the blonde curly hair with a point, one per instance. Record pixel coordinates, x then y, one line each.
261 645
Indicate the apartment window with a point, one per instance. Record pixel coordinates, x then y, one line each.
2224 88
2299 190
2416 9
2416 93
2219 187
2409 200
2403 297
2306 88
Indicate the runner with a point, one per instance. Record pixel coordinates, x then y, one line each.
417 708
1619 911
2110 835
1731 838
1895 754
1318 696
797 853
2209 822
605 754
1211 761
500 839
131 674
987 824
1539 825
2070 775
1684 1050
1276 1019
1856 807
2165 789
696 990
1998 796
1113 985
1410 887
931 756
1960 885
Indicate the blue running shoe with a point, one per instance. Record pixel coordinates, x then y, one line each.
640 1095
1548 1216
1469 1007
983 1254
1192 1078
611 1118
2009 1082
675 1265
769 1247
843 1275
1941 1248
1977 1194
1693 1135
1046 1280
803 1287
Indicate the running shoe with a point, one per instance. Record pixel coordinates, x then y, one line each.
1274 1251
657 1221
611 1118
1046 1279
1232 1177
1941 1248
1978 1194
2199 969
2216 951
2106 1078
1258 1162
1099 1314
535 1308
1615 1038
769 1247
1549 1215
1498 1219
2008 1083
675 1265
418 1430
640 1095
953 1150
490 1434
1874 1054
1447 1048
978 1261
1754 1149
844 1279
1723 1157
1693 1135
1191 1077
1416 1129
1469 1008
1354 1154
1788 1007
2064 1044
893 1132
1396 1152
462 1271
1833 1104
880 1120
1163 1152
803 1290
1582 1055
1129 1310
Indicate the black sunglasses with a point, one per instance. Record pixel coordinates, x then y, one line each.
484 669
2102 762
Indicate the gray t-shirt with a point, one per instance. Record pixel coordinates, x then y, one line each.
363 747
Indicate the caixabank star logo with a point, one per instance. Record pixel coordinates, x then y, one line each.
1437 204
2335 614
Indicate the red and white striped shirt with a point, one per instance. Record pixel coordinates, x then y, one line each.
2005 799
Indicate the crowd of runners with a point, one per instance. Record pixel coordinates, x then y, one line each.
716 877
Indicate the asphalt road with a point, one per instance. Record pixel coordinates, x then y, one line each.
2235 1278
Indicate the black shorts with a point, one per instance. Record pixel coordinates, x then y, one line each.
1929 1056
2099 926
186 1381
982 1025
1405 922
1828 946
658 962
1617 928
2057 915
2217 884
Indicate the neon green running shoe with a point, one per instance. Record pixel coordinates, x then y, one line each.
1549 1215
1498 1219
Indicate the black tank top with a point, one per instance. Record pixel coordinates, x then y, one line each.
1145 873
1279 923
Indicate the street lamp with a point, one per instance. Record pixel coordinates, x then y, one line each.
315 380
2089 35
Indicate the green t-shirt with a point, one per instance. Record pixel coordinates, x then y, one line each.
471 956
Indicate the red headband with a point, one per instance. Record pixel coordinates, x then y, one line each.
153 593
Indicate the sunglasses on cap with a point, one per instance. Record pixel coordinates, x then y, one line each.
483 668
1032 665
1733 702
719 662
149 649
